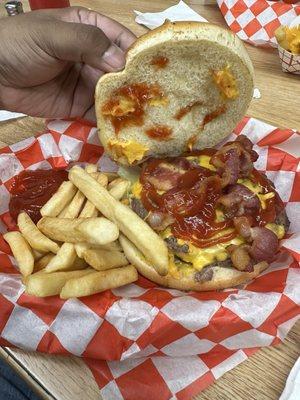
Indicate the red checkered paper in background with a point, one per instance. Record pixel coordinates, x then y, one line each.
255 21
171 344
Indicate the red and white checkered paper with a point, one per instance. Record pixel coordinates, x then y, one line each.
255 21
171 344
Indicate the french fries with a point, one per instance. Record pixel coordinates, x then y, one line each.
92 230
21 251
104 259
59 200
129 223
63 260
74 252
98 282
34 237
42 284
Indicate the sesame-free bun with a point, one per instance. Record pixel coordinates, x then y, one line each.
195 53
222 277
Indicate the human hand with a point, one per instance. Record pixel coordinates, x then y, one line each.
50 60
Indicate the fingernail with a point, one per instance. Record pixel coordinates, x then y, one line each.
114 57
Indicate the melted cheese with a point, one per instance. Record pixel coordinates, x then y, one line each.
226 83
277 229
131 150
198 258
203 161
257 189
123 106
136 189
159 101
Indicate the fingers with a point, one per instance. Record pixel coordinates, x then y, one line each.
115 31
83 43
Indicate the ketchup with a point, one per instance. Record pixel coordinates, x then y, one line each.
273 205
138 94
160 61
159 132
185 110
192 201
32 189
214 114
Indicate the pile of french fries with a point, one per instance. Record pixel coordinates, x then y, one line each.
74 251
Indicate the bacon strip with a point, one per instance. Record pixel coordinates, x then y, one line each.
234 160
263 247
239 201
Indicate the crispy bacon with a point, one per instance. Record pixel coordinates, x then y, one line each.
239 201
240 257
167 175
234 160
263 245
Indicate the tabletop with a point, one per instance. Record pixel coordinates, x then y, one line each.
263 375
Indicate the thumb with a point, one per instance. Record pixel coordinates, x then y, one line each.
79 42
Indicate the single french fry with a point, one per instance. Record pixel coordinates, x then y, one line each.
59 200
43 262
34 237
98 282
119 189
73 209
80 248
92 230
89 210
104 259
100 178
42 284
90 168
63 260
21 251
98 231
138 231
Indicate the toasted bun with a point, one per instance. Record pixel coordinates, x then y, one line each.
194 51
222 277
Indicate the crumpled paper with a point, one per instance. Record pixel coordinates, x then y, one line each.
292 387
7 115
171 344
178 12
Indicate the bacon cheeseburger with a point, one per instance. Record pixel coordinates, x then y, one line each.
184 88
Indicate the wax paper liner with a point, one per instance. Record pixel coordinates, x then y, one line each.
172 344
255 21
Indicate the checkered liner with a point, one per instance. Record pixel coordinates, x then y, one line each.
255 21
171 344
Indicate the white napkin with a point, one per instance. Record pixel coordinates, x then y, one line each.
179 12
7 115
292 387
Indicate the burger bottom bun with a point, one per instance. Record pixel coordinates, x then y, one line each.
222 277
